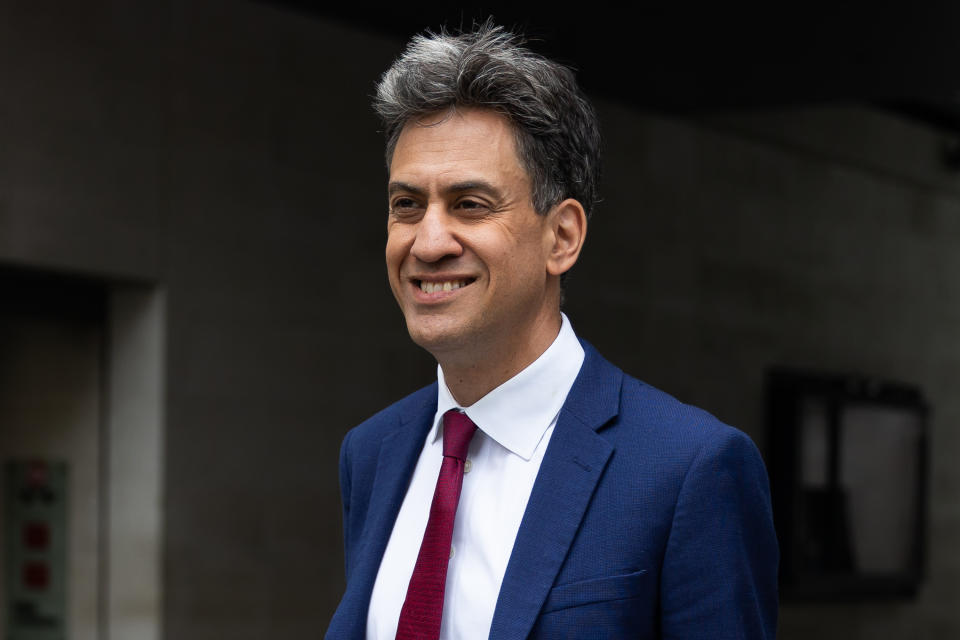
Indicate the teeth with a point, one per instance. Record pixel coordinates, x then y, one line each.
449 285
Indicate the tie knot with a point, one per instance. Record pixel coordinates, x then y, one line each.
457 431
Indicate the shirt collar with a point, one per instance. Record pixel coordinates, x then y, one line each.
518 412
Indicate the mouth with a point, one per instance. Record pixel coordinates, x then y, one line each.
441 286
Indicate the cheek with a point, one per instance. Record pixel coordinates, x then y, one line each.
525 252
396 249
394 254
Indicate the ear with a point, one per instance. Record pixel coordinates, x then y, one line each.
568 226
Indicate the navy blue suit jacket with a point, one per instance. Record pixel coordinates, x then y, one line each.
648 519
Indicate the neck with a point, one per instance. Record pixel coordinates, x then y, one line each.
469 378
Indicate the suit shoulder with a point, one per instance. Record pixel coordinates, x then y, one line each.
385 420
661 416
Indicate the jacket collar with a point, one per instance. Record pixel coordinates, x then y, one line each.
572 466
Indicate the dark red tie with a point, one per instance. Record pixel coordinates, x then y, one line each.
423 607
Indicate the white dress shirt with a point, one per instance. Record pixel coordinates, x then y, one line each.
514 425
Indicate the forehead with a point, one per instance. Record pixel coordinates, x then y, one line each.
457 141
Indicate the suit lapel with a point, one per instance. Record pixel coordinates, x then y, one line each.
397 458
572 466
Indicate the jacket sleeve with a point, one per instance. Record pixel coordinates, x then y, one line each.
719 575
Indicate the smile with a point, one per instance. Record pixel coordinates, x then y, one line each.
445 285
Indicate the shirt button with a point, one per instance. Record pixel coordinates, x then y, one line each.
451 552
467 465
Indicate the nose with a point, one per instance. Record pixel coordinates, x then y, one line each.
435 237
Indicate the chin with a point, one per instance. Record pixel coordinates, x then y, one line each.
436 337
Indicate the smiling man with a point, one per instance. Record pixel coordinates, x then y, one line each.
534 490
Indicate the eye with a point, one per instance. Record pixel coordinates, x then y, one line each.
472 205
404 207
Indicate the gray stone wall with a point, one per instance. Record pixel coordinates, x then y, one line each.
226 152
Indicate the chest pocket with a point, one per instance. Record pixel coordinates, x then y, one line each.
610 607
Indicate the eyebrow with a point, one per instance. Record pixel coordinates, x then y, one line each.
475 185
397 187
456 187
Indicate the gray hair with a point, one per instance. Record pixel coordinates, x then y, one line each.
555 127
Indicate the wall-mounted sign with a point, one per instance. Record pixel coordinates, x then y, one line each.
35 535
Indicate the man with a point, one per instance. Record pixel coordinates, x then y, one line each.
534 490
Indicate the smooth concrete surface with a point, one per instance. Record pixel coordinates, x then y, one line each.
226 153
134 448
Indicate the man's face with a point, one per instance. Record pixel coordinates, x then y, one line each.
466 251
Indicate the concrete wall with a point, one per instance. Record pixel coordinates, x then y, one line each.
132 593
226 152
